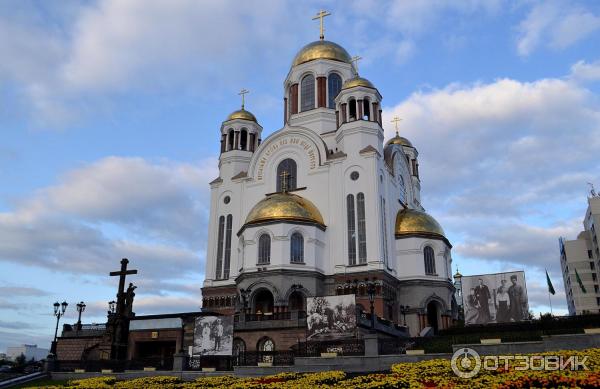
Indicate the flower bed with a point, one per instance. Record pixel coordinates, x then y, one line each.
426 374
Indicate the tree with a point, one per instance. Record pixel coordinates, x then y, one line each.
20 363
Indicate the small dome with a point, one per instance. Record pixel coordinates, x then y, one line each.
358 81
321 49
399 140
285 207
457 275
241 114
411 222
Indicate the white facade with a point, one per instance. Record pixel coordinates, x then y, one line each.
30 351
583 254
338 151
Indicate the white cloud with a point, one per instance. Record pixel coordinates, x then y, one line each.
583 71
556 24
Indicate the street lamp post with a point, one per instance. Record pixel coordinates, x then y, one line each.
404 310
371 292
59 311
244 293
80 309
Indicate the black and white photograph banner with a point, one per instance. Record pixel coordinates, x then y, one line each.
331 317
213 335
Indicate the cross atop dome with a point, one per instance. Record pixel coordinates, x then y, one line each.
243 92
321 15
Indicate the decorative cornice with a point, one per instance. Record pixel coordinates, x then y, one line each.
240 175
369 149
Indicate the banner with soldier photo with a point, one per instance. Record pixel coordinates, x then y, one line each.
495 298
330 317
213 335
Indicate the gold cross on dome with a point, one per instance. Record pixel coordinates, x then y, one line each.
242 93
396 120
284 180
354 61
321 15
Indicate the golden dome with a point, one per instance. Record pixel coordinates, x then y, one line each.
357 81
285 207
399 140
241 114
321 50
413 222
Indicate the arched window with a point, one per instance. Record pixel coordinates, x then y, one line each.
429 260
220 248
307 89
288 166
334 85
230 140
227 247
366 109
351 110
297 248
351 229
243 139
362 228
402 189
264 249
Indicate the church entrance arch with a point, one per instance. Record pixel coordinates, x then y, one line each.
432 315
263 302
297 302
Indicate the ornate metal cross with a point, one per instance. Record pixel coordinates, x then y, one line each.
321 15
242 93
354 61
396 120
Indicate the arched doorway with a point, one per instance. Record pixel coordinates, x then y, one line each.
296 302
239 348
266 347
263 302
432 315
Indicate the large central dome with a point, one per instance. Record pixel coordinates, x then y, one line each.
321 49
284 207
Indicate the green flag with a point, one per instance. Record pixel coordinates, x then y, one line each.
580 282
550 286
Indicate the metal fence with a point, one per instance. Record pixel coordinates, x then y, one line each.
343 347
114 365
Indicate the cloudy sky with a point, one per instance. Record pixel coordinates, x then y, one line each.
110 113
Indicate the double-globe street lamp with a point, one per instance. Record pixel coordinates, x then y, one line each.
371 290
59 311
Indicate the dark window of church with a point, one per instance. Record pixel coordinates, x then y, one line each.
264 249
354 176
352 109
227 247
362 228
227 199
384 231
286 172
243 139
429 260
308 93
334 85
351 230
366 110
220 247
230 140
402 189
297 248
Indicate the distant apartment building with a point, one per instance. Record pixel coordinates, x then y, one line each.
29 350
583 255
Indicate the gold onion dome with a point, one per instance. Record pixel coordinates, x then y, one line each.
399 140
285 207
413 222
321 49
358 81
241 114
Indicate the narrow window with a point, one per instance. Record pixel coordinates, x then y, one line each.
366 110
230 140
227 247
297 248
220 247
243 139
334 86
286 170
308 93
264 249
352 109
362 228
351 230
384 231
429 260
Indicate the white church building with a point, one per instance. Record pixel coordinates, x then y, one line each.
323 206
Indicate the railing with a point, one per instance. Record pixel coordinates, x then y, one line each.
269 316
220 363
392 346
114 365
276 358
